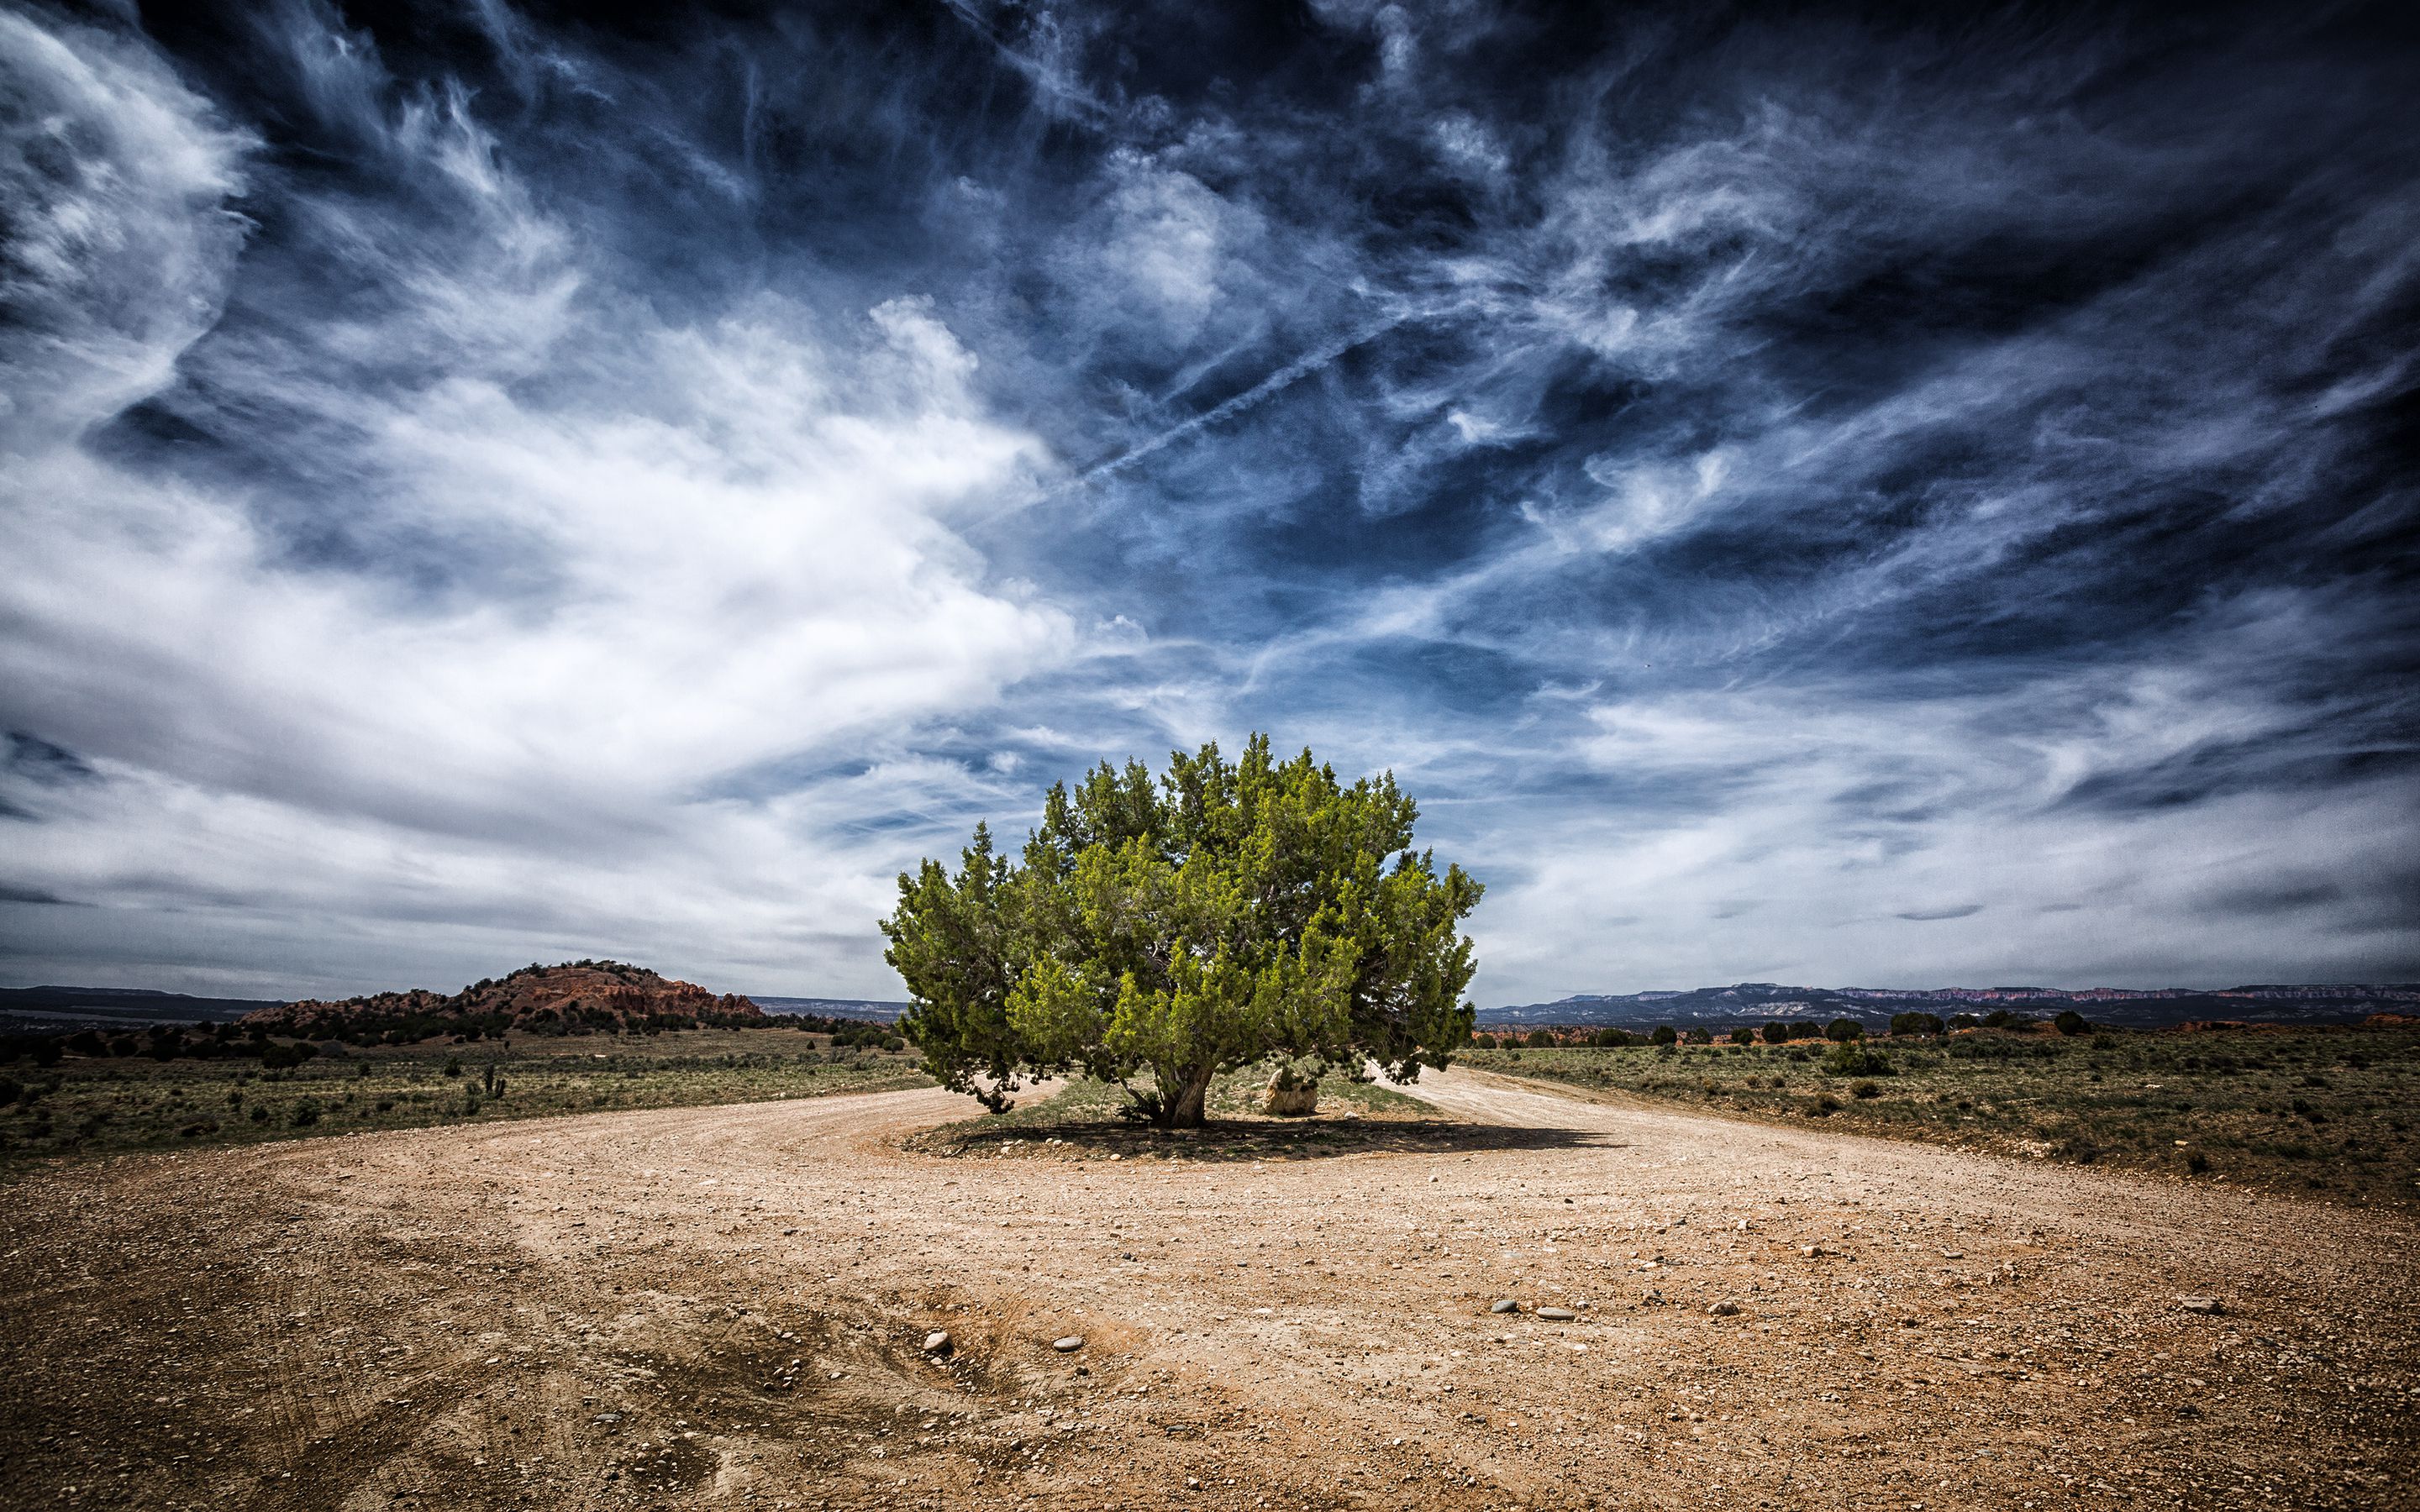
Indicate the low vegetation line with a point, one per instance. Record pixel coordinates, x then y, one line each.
2324 1112
80 1107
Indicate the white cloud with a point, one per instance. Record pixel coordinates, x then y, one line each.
1167 244
738 531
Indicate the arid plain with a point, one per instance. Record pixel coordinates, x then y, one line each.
731 1308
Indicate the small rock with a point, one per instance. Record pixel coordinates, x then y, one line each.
1953 1255
936 1342
1557 1315
2210 1307
1725 1309
1504 1305
1813 1252
1068 1345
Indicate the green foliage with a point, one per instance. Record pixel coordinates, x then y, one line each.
2072 1022
1219 915
1844 1030
1665 1034
1852 1058
1540 1040
1917 1022
1743 1037
1609 1038
1775 1032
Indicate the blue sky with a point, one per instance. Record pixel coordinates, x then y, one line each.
1812 500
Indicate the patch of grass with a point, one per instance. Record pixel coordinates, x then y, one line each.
99 1106
2324 1111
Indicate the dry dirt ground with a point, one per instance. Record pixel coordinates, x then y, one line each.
727 1307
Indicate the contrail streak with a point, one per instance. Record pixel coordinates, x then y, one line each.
1300 367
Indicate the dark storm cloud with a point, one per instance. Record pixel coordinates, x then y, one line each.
682 467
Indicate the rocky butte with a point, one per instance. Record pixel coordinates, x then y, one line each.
577 997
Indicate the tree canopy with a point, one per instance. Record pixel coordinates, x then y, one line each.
1221 914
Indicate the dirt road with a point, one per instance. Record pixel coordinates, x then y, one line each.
728 1307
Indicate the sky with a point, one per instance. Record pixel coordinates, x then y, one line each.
1797 496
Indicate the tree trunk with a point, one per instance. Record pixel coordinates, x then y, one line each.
1185 1110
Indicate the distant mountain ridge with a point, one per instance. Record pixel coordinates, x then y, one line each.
879 1010
1757 1002
40 1009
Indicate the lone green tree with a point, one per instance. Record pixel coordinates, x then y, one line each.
1158 931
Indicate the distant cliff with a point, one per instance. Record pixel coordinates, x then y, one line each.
577 997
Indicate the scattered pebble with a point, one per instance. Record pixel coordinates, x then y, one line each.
1504 1305
1068 1345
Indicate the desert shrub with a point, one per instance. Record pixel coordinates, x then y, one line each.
259 1114
1775 1032
1844 1030
1807 1029
1867 1089
1852 1058
1825 1106
88 1042
1540 1040
284 1056
1965 1021
1915 1024
1482 1041
2197 1161
1609 1038
304 1113
1665 1034
453 1065
9 1091
2072 1022
2076 1148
